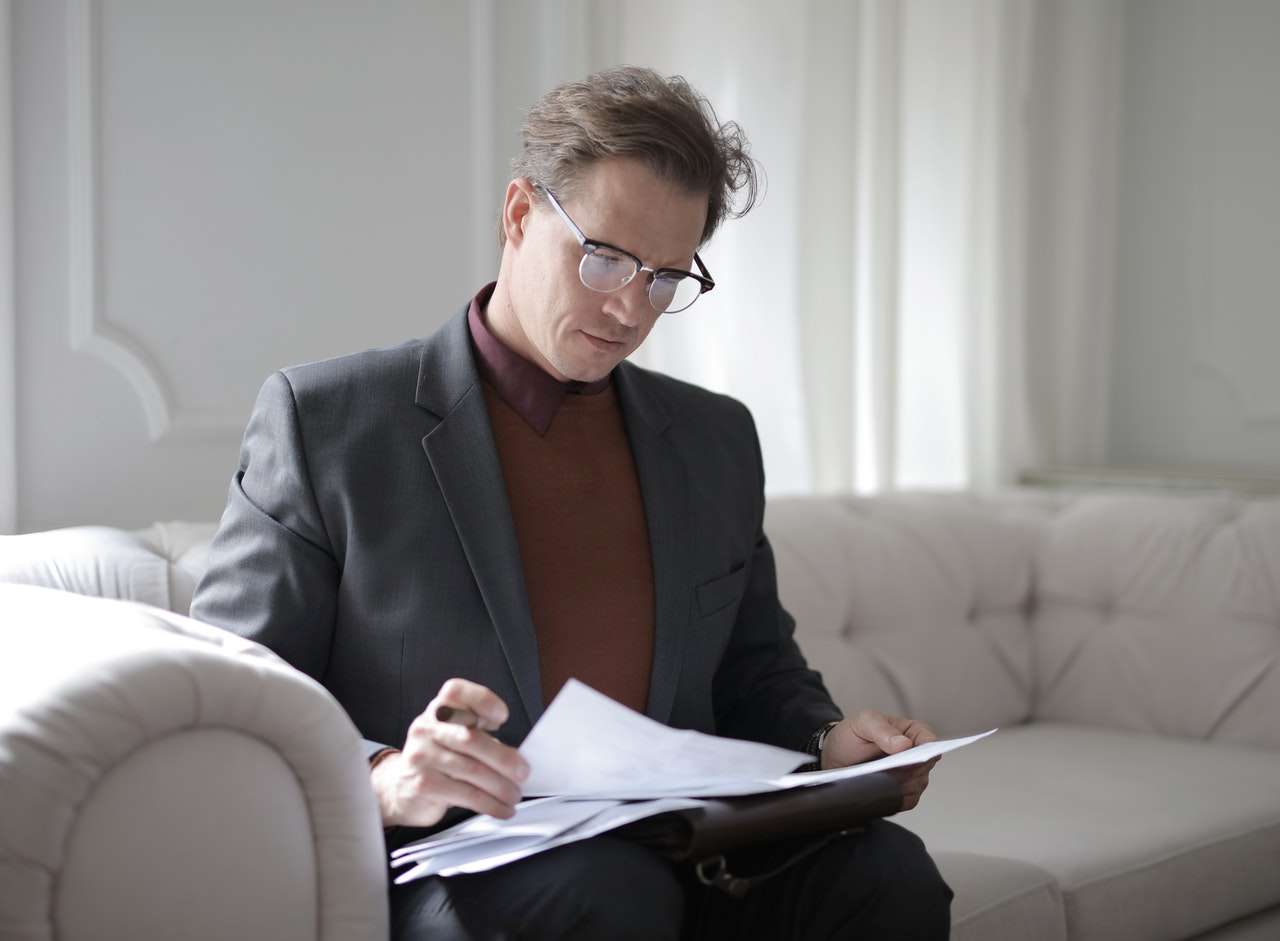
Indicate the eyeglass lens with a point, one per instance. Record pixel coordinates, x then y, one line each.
606 271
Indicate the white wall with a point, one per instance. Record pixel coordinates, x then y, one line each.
205 192
8 316
209 191
1194 375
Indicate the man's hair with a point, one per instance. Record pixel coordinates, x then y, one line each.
637 113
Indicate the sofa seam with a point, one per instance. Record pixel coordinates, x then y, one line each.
1273 824
56 875
1048 882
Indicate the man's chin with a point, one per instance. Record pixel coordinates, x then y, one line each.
586 372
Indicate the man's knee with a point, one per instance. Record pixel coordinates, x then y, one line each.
910 884
615 889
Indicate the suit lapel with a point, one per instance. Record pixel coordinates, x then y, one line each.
664 487
463 456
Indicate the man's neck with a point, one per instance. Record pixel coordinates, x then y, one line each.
500 317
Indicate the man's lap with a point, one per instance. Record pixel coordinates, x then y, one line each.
879 882
599 888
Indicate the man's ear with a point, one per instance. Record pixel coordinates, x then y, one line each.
516 207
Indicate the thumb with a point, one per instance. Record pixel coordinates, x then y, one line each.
878 729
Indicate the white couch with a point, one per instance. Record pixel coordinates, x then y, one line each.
160 778
1128 648
1126 645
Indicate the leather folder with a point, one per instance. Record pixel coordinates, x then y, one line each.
720 825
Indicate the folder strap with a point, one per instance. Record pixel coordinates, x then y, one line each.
714 871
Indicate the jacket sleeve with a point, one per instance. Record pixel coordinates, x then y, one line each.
272 576
763 689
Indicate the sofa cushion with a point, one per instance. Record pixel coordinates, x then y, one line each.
1162 614
88 560
915 605
1147 836
157 566
998 899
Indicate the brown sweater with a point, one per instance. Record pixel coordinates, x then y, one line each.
584 544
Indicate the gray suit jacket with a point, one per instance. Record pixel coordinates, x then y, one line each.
367 539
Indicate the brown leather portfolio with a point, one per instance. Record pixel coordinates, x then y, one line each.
721 825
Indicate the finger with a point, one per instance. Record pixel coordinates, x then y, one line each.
440 787
917 731
876 728
488 706
482 747
461 767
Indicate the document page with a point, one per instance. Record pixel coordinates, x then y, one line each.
588 744
604 766
903 759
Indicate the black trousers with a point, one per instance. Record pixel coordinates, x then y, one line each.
876 883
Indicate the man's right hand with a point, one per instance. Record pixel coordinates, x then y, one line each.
445 765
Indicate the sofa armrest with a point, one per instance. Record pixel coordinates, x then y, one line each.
161 778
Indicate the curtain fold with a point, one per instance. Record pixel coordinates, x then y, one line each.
905 308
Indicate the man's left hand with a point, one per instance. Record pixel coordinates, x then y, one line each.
870 735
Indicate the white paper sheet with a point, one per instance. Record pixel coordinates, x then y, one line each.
543 818
585 743
607 766
912 756
501 851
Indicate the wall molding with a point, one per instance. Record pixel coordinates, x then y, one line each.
90 331
8 297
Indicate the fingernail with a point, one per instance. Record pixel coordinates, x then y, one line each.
901 740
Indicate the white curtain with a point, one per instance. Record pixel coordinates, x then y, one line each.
892 311
8 318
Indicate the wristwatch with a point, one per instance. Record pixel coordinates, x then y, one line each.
815 743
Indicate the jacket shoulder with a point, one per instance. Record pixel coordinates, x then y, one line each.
369 370
688 401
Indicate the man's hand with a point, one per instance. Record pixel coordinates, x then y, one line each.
445 765
872 734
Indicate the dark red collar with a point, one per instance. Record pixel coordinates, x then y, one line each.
534 394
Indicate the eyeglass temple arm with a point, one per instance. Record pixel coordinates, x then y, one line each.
710 282
555 204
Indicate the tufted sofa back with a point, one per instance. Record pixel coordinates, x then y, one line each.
1154 613
159 565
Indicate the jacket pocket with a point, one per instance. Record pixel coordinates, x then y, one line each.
721 592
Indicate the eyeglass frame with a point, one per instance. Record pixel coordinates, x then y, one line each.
705 281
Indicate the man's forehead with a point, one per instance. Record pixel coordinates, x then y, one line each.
626 204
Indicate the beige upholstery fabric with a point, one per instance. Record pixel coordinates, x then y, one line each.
88 560
1162 615
98 695
916 607
185 549
1147 836
178 845
1001 898
1263 926
1144 612
158 566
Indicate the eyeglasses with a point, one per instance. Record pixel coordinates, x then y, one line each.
607 268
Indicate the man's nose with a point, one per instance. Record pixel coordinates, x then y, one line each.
629 305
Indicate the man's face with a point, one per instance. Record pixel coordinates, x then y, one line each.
577 332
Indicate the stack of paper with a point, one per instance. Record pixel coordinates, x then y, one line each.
616 768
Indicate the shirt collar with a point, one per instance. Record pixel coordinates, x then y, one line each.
532 393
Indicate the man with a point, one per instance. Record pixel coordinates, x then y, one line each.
470 520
